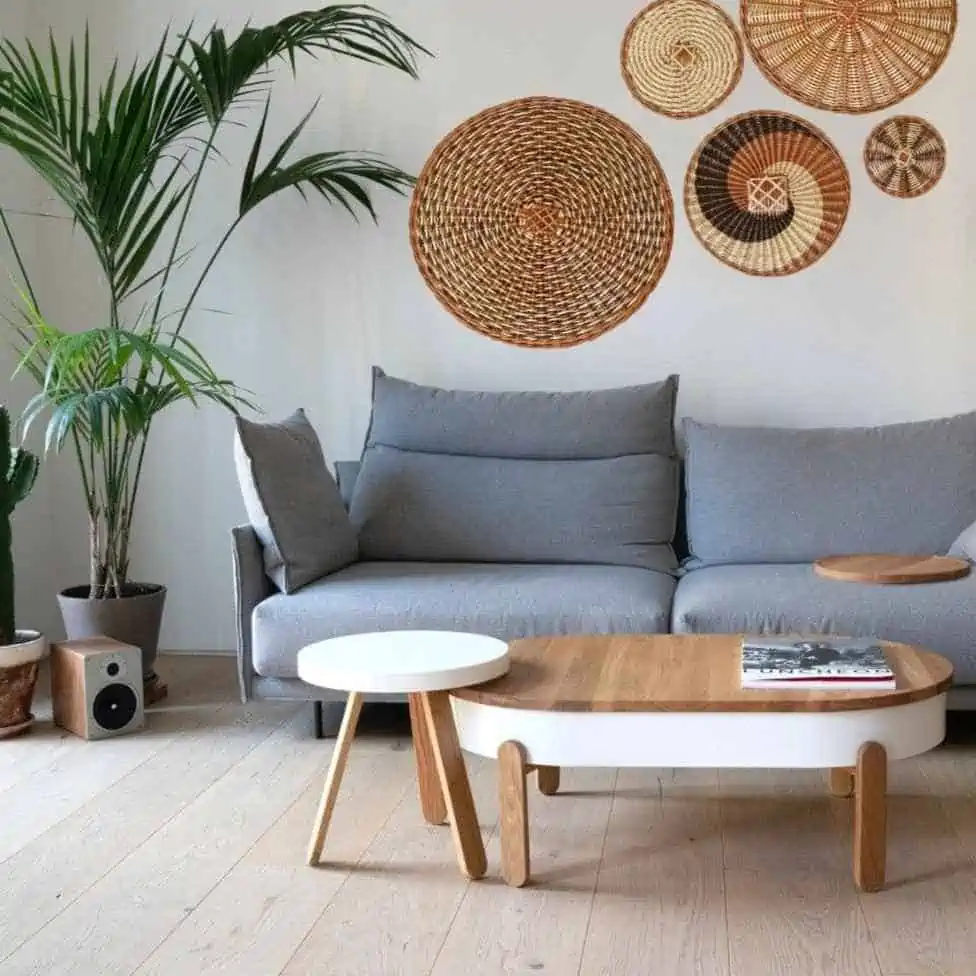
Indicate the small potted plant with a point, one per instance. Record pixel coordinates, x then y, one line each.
20 650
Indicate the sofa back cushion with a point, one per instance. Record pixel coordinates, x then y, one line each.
537 426
579 477
777 495
436 507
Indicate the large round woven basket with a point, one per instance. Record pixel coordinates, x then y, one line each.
767 193
849 55
905 156
681 58
542 222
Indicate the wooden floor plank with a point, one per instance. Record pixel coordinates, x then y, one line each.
924 922
792 905
254 920
542 926
660 903
181 849
81 770
394 910
166 878
56 868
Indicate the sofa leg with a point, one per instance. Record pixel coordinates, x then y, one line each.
326 719
317 729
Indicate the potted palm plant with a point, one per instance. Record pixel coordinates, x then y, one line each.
20 650
125 157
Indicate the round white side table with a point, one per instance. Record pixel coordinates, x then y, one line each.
425 665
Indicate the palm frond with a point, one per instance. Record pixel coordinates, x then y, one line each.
221 71
340 177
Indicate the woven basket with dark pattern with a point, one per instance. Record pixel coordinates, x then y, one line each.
767 193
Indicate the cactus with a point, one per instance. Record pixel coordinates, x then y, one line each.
18 472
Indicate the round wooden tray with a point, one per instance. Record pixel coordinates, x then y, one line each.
890 568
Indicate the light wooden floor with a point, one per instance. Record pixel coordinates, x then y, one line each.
179 851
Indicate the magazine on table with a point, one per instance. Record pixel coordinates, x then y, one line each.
815 662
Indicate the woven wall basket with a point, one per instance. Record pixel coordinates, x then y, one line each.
542 222
767 193
849 55
681 58
905 156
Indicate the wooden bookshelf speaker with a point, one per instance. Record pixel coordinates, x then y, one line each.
96 687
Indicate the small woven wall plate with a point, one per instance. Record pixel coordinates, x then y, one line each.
767 193
849 55
542 222
905 156
681 58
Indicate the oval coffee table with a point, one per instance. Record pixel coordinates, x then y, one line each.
424 664
676 700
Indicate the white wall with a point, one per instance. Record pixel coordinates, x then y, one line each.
880 330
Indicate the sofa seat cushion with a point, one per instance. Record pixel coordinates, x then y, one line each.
775 599
504 601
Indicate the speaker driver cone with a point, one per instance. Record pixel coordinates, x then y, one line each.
115 706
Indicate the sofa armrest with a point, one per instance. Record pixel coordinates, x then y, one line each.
965 545
251 586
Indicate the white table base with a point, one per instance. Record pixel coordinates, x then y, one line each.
855 745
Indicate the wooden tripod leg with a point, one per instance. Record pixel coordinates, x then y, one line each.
453 775
347 732
429 783
840 781
514 813
548 777
870 817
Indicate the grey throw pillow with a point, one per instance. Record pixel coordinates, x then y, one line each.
965 544
292 501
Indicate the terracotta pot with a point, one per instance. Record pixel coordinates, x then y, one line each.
134 618
18 679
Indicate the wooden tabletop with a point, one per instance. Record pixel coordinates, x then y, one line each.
678 673
892 568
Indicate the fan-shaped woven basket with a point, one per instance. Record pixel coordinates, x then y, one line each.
905 156
849 55
542 222
767 193
681 58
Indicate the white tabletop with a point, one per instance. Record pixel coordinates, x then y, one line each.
403 661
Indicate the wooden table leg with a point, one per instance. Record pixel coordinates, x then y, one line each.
840 781
870 817
431 795
514 813
454 782
548 777
347 732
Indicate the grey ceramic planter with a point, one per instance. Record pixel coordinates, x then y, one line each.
134 619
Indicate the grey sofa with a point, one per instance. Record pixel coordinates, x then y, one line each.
520 514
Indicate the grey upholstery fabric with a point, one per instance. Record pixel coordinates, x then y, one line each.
505 601
437 507
292 501
346 474
251 586
782 599
767 495
965 544
552 426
